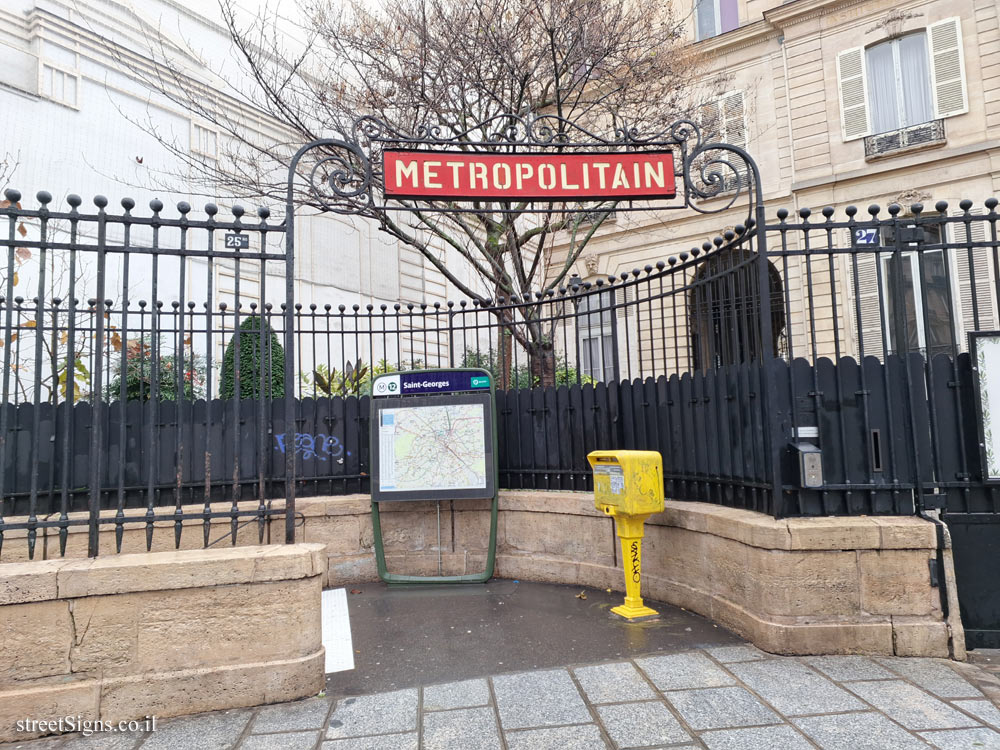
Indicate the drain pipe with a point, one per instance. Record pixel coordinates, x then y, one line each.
945 564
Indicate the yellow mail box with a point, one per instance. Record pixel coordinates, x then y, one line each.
627 483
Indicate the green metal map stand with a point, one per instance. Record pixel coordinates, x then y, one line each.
422 410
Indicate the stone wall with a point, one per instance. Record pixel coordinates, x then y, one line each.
792 586
165 633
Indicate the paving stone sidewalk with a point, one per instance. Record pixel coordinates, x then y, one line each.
722 698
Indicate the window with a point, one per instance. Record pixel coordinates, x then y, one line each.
918 297
899 91
723 120
903 82
714 17
204 141
596 333
59 85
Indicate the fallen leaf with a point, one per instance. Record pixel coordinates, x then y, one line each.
22 230
22 253
355 591
30 324
581 595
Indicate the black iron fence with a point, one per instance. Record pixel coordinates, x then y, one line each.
148 374
101 372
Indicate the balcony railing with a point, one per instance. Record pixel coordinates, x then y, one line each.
892 142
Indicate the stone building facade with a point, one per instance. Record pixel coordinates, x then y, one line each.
840 102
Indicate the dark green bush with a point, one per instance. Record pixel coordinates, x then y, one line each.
253 362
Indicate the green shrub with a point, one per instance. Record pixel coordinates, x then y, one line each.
139 374
254 362
521 377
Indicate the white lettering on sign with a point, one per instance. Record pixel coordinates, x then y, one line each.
406 169
569 176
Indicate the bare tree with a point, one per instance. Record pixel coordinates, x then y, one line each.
454 64
8 165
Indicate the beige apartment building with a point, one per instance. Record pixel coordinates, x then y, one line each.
840 102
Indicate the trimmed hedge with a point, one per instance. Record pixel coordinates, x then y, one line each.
252 362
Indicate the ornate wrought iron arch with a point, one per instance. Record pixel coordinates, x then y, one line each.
345 175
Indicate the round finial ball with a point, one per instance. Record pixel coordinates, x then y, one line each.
965 205
211 209
782 213
100 201
44 197
894 209
941 206
991 203
74 200
12 195
238 210
874 208
128 204
263 212
183 208
828 211
805 213
156 205
851 211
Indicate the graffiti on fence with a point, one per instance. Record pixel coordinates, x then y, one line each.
320 445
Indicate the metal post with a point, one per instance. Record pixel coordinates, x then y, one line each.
772 435
93 541
289 313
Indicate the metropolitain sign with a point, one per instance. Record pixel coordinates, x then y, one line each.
448 175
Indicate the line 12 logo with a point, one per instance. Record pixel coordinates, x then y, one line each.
387 385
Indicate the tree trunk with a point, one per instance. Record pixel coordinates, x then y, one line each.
505 340
542 359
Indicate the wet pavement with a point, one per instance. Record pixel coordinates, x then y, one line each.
406 636
512 666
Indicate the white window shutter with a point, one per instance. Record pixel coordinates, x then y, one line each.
711 120
853 84
867 296
734 124
624 297
958 233
948 89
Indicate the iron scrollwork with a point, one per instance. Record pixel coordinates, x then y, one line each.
344 174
